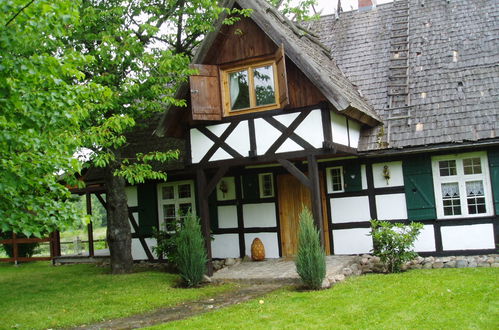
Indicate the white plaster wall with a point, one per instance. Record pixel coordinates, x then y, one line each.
363 176
269 240
350 209
136 217
339 127
288 145
138 252
239 139
225 246
220 154
354 132
218 129
259 215
311 129
231 187
391 207
227 216
396 175
352 241
265 135
426 240
131 196
468 237
200 145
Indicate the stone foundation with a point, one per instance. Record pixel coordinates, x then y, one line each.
367 263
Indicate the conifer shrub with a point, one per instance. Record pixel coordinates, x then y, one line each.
190 252
393 243
311 259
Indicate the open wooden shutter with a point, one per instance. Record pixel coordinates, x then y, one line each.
148 208
282 79
419 192
205 93
493 156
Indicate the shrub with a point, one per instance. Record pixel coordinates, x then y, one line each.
311 259
165 246
393 243
190 253
23 250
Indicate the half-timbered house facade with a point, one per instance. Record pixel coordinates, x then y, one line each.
387 113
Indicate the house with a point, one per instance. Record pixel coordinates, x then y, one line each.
389 112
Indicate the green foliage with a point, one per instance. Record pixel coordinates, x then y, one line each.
165 247
393 242
190 253
43 98
310 259
296 10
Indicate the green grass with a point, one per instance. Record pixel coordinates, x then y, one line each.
38 295
422 299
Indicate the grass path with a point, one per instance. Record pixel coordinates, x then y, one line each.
419 299
40 296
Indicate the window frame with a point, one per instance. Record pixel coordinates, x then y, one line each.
461 179
225 71
176 200
329 178
260 184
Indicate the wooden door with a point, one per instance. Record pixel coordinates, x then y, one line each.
292 197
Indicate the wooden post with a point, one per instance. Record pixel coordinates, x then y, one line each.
313 174
90 229
15 249
204 214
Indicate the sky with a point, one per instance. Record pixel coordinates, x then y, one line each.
329 6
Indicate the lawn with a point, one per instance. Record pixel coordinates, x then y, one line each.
419 299
38 295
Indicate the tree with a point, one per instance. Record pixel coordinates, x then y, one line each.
42 102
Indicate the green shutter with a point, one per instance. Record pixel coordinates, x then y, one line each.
419 192
493 156
352 177
213 209
147 200
250 187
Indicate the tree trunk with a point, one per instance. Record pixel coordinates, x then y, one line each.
119 236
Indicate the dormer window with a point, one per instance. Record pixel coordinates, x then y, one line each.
231 89
250 87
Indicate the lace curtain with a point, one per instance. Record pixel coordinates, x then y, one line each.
474 188
450 190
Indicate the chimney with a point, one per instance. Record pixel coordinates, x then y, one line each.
365 5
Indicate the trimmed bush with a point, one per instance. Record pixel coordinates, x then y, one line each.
311 259
190 253
393 243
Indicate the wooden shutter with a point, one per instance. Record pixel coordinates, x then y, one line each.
147 199
419 191
205 93
352 177
493 156
251 189
282 79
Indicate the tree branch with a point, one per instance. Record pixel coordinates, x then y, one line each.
20 11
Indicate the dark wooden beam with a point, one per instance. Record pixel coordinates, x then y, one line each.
101 200
252 135
326 128
215 179
90 229
141 238
296 172
204 214
219 143
313 174
288 132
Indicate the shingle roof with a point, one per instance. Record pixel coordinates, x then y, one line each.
453 75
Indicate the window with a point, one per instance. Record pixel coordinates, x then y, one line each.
266 184
250 87
175 200
462 187
335 182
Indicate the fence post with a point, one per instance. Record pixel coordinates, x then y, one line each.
90 229
14 248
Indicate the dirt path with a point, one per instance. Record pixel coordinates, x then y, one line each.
185 310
